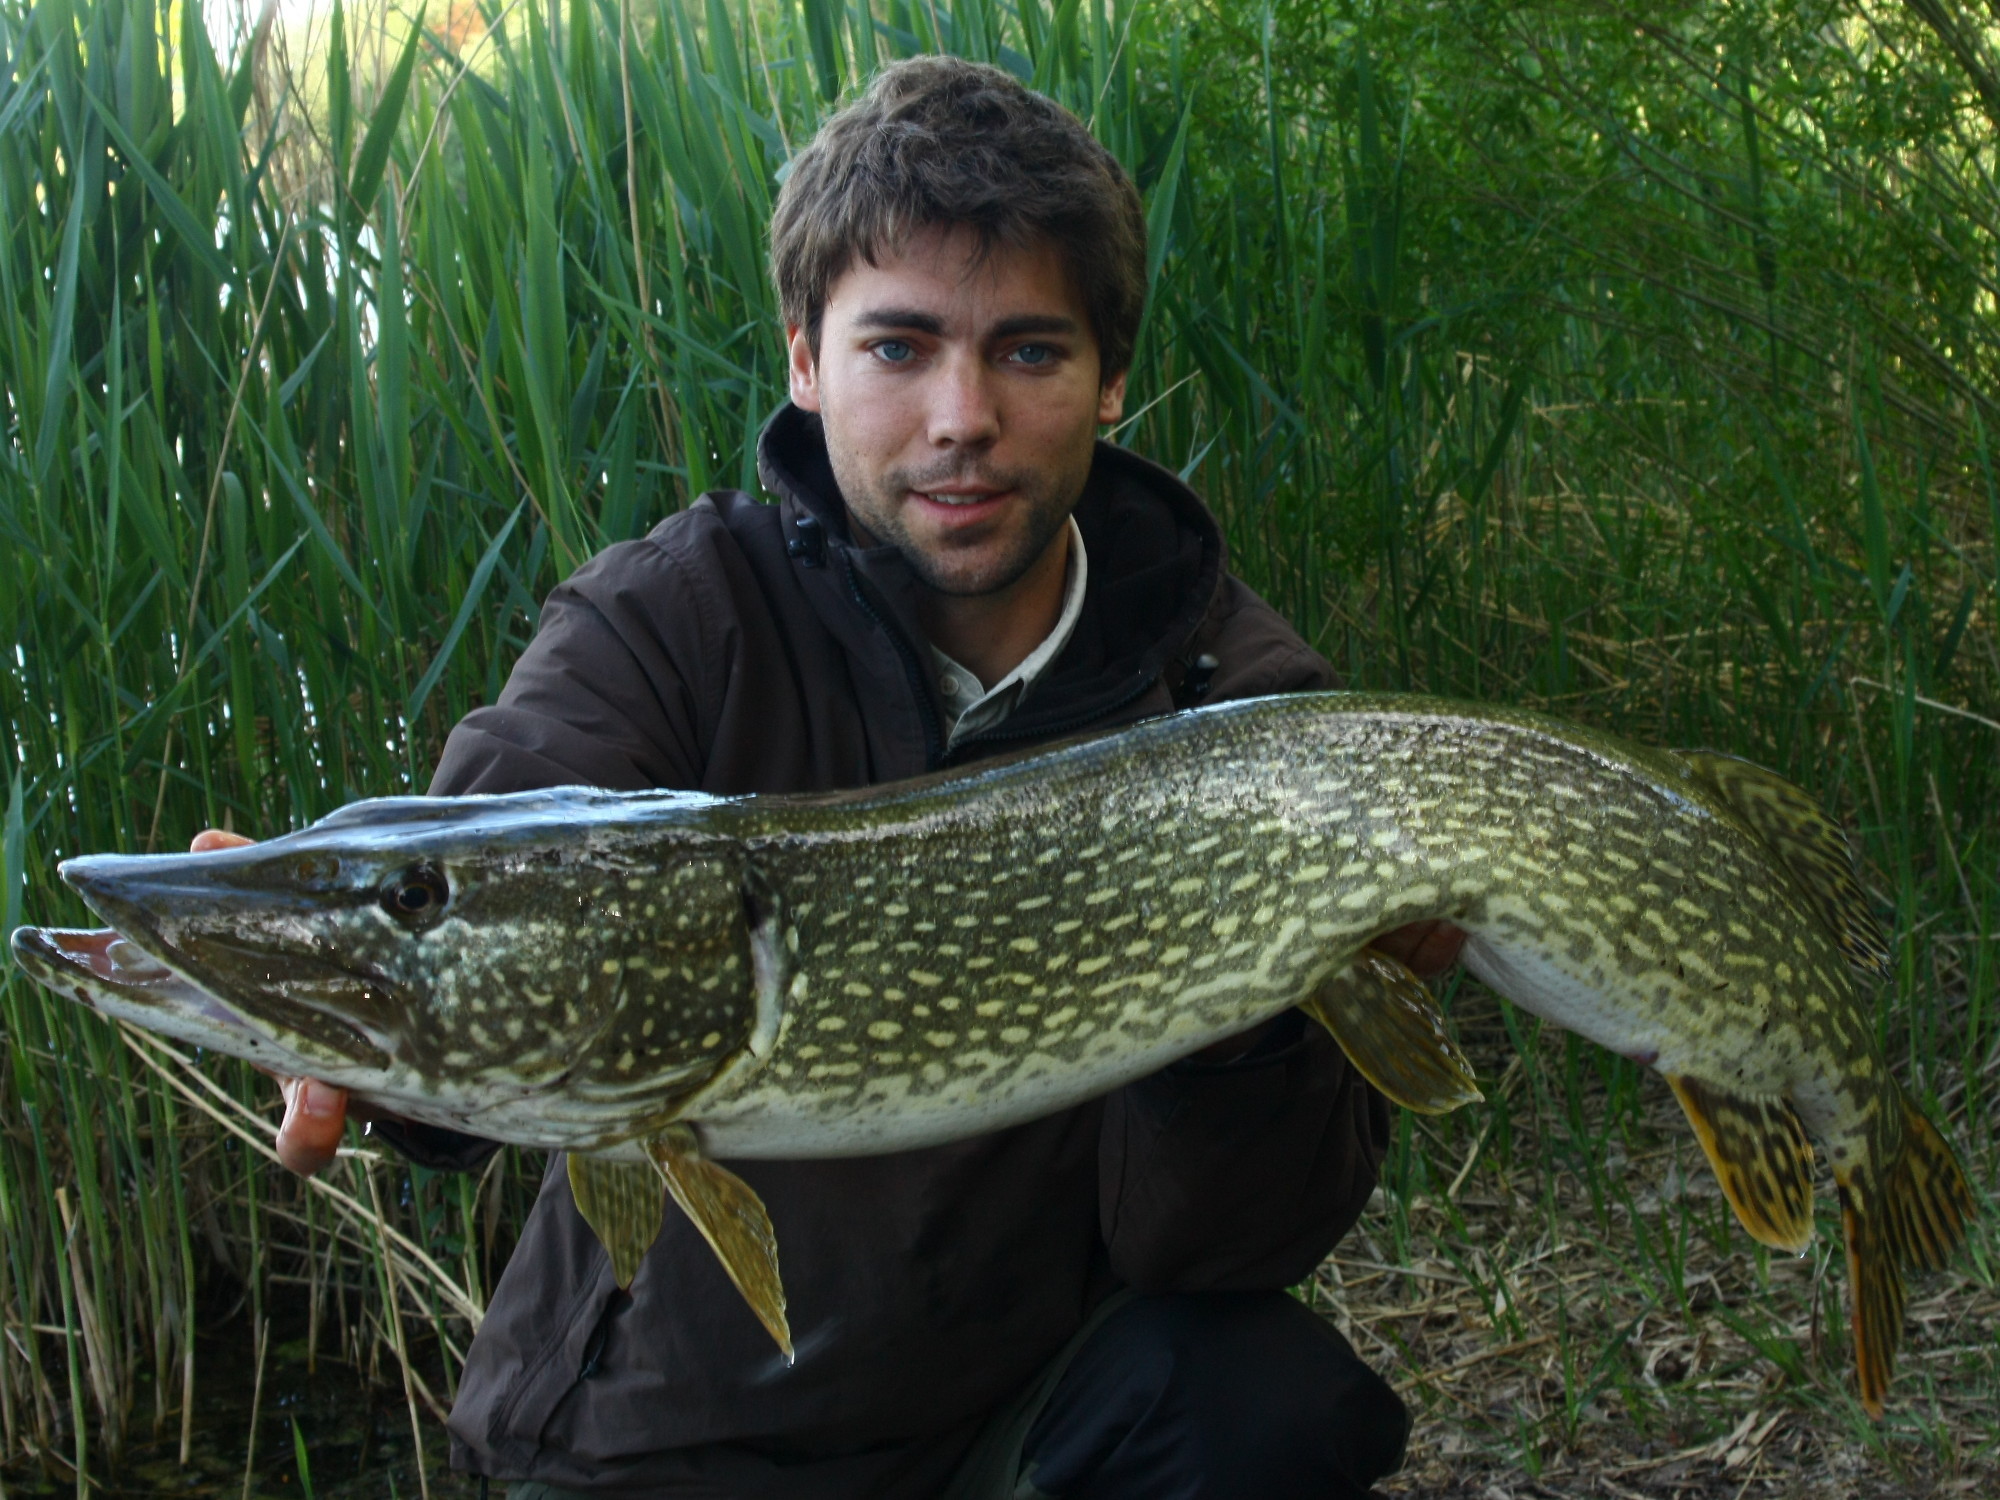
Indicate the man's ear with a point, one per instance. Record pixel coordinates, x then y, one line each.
804 368
1110 399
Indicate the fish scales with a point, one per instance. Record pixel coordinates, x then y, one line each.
658 982
1106 922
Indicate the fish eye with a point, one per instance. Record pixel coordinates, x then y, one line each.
416 896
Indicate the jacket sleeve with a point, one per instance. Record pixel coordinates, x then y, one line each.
600 697
1243 1174
597 699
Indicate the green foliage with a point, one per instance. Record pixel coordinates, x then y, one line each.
1631 367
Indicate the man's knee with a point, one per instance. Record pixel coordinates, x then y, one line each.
1216 1395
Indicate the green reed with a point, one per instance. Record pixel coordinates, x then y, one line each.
1525 356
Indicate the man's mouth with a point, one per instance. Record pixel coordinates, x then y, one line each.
961 500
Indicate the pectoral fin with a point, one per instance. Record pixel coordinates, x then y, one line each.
1761 1157
1389 1025
622 1201
732 1219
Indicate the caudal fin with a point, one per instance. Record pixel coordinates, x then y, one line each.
1916 1217
1931 1207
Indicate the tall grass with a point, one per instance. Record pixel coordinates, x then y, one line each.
1643 375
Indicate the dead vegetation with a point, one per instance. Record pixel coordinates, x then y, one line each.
1570 1310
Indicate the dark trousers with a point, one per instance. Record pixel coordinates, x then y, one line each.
1202 1396
1214 1396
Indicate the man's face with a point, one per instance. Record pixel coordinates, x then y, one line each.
961 397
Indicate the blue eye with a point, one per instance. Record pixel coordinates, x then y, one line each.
1034 354
894 351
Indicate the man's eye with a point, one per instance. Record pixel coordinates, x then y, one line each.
1034 354
894 351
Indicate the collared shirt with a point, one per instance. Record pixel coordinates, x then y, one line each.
969 705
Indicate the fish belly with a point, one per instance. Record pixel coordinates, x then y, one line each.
1592 1007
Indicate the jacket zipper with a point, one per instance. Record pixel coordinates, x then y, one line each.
919 682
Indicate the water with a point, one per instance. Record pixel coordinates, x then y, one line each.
357 1436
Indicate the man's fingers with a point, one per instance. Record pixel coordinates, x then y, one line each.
315 1115
315 1112
211 839
1428 948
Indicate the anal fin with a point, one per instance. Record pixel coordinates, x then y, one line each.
1760 1155
623 1202
1389 1025
732 1218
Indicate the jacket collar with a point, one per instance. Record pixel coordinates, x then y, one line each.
1156 562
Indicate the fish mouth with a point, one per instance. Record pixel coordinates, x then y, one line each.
114 976
294 998
122 980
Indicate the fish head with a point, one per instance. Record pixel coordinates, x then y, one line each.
472 947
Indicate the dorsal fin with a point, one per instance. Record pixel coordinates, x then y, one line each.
1806 841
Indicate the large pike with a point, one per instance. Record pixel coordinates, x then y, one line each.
654 982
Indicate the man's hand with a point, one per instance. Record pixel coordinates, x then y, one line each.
315 1112
1427 948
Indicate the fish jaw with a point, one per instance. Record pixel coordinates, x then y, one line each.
113 976
106 972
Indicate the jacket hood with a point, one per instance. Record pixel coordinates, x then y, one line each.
1156 562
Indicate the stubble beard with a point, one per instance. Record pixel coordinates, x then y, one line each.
1042 502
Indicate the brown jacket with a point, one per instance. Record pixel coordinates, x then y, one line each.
745 647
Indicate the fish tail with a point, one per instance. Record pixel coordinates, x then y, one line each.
1930 1200
1875 1279
1914 1214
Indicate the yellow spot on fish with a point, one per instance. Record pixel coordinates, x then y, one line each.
884 1031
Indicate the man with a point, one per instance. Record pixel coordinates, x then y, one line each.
1090 1305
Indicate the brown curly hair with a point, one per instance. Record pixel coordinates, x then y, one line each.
942 142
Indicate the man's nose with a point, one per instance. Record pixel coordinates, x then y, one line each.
964 411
